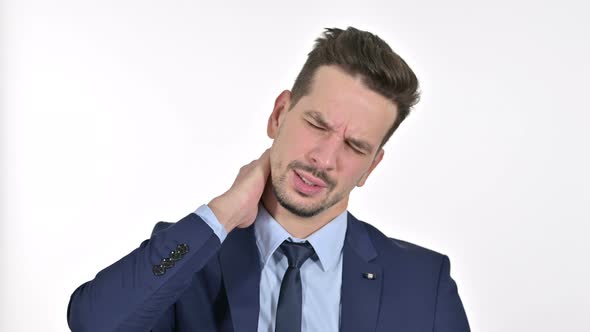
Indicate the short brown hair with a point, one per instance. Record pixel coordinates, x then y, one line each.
362 53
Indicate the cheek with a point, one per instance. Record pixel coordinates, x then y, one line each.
285 148
295 140
353 174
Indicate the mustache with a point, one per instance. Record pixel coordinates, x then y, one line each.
318 174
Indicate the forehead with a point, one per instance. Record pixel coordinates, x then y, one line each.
346 103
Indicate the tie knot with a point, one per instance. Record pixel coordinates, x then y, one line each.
297 253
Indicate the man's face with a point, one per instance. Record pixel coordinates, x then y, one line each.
330 137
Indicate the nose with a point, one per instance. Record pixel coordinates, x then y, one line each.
324 156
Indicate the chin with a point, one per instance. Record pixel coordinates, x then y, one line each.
288 202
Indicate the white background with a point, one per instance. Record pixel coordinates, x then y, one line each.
119 114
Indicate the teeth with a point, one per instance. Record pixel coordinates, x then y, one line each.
305 180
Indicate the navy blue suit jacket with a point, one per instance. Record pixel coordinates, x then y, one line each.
215 287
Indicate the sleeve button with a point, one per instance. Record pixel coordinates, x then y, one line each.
175 255
158 270
182 248
167 263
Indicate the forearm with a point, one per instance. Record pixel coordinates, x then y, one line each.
129 295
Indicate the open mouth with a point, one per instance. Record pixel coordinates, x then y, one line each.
306 186
305 180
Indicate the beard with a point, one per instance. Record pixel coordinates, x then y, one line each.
279 189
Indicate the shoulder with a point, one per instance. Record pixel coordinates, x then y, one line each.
393 251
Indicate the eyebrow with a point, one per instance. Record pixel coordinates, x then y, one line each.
319 118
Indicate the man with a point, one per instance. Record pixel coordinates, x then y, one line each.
278 251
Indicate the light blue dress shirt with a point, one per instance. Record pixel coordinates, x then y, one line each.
321 275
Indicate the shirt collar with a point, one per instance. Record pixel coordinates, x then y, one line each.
326 241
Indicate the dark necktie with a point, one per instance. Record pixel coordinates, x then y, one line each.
289 308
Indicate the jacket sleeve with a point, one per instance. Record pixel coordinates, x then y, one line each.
450 315
134 292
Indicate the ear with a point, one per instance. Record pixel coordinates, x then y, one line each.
376 162
276 118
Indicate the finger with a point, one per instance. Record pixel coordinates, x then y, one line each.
265 154
265 160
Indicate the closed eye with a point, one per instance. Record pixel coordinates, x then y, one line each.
355 149
317 127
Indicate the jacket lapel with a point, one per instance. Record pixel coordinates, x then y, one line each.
240 266
361 280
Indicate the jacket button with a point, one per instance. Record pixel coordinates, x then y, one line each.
158 270
182 248
167 263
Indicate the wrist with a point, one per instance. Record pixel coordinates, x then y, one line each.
220 209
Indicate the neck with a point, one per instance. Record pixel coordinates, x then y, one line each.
297 226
